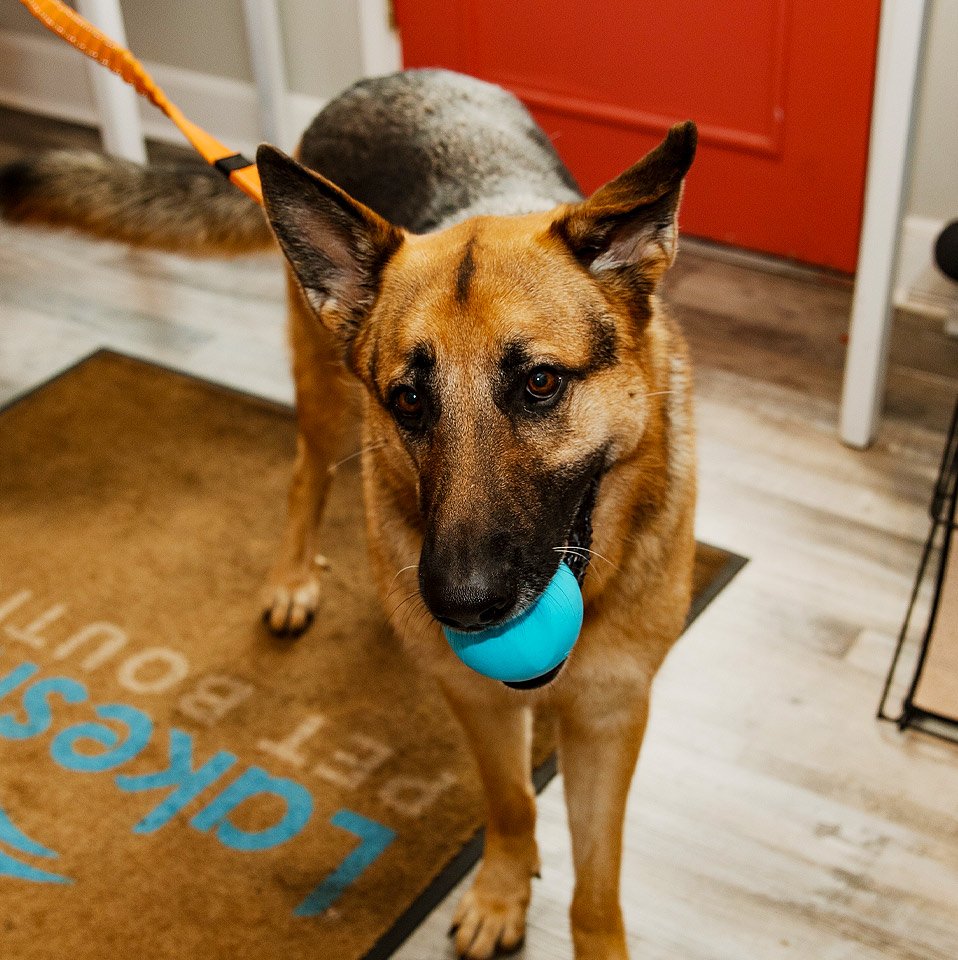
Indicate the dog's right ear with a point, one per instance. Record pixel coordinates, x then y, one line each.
626 233
337 246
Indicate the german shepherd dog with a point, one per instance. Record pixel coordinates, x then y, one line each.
527 402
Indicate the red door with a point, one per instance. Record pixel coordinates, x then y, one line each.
780 89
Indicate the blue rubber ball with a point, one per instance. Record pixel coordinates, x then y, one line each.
530 644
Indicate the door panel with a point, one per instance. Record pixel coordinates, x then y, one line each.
780 89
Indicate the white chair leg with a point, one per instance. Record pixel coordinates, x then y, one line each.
120 125
266 49
900 45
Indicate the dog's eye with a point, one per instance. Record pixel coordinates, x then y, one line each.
543 384
407 402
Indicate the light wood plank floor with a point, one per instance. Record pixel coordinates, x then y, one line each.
772 816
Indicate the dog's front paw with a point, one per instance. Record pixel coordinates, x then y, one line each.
492 916
289 604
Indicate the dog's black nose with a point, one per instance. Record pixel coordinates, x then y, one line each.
468 604
467 590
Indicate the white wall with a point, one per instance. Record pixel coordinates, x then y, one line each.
933 195
934 187
321 38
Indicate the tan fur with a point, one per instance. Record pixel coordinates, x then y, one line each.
636 597
322 395
467 291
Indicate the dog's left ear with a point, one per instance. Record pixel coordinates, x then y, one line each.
626 233
337 246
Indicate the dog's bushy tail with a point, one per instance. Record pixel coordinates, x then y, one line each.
182 209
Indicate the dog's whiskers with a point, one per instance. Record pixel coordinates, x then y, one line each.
402 603
402 585
413 616
415 622
359 453
586 552
401 631
399 573
396 589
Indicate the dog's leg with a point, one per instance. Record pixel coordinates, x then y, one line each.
492 915
599 749
292 589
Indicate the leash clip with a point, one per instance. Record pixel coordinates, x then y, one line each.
235 161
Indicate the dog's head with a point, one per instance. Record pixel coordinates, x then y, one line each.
506 359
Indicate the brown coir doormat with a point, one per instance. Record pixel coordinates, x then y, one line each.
175 783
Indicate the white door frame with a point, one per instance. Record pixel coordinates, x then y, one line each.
379 41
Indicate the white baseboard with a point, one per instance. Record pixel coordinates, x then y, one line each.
919 285
47 77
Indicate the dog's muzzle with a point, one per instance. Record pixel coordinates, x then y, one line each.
577 560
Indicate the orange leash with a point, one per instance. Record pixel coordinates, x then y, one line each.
59 18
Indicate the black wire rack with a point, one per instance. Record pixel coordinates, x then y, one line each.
905 671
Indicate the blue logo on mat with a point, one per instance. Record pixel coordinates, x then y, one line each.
10 867
189 776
